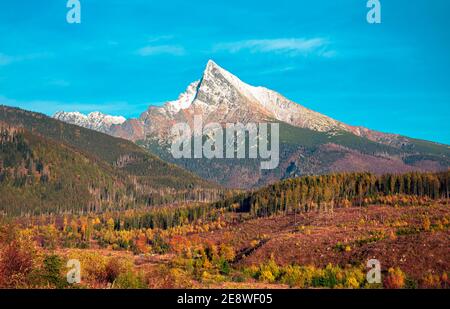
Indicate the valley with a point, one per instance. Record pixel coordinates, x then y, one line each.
309 232
311 250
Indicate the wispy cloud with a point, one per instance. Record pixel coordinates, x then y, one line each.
152 50
50 107
277 70
289 46
159 38
7 59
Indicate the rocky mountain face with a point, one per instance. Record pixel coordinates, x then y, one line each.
311 143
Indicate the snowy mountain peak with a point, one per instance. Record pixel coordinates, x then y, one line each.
223 97
211 64
217 86
95 120
221 88
219 97
215 72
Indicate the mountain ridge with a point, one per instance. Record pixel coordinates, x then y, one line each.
221 97
275 104
95 120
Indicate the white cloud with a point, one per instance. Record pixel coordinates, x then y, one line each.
153 50
277 70
6 59
50 107
289 46
154 39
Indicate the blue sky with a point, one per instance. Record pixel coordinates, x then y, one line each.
126 55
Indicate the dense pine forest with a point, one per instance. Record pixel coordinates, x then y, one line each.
300 195
315 193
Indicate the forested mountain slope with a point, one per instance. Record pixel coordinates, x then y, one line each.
47 165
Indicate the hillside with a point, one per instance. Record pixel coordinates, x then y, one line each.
310 232
48 165
327 192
